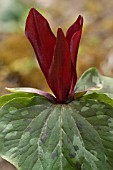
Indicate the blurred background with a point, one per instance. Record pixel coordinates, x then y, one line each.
18 65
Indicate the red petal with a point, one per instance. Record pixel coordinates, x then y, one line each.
74 45
74 28
73 52
73 37
42 39
60 70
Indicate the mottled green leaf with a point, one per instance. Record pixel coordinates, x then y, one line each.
92 78
5 98
38 135
100 97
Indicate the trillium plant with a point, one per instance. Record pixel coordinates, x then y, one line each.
71 129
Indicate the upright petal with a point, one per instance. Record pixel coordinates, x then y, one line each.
42 39
60 70
73 38
74 45
77 25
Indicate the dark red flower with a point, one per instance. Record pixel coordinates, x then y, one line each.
56 55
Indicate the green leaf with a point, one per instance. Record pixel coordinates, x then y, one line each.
92 78
38 135
100 97
4 99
